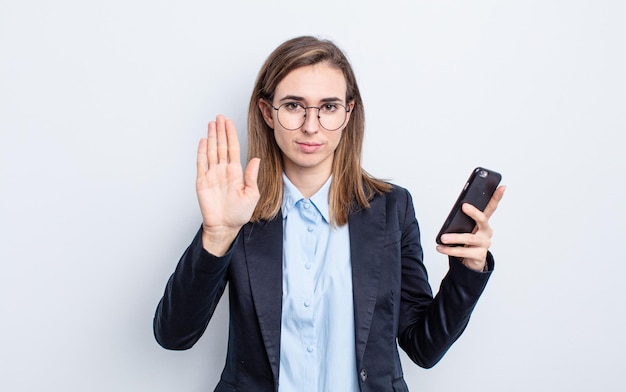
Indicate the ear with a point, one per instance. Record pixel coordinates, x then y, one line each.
268 112
351 108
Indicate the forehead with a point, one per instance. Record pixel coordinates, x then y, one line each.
313 82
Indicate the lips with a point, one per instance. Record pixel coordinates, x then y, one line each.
309 147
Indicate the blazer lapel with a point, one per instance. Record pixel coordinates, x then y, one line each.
263 244
367 229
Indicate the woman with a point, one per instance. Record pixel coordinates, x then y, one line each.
323 261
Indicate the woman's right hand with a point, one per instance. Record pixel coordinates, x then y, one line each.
227 196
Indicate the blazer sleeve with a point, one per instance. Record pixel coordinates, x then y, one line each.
191 296
429 326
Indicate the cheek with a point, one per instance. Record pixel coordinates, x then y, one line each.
335 139
281 139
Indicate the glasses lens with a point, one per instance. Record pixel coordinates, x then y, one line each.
332 116
292 115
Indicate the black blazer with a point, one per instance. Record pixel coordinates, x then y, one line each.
392 299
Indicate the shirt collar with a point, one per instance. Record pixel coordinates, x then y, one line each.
291 195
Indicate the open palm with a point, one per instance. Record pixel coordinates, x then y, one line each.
227 196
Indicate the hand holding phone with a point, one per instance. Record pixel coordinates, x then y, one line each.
477 191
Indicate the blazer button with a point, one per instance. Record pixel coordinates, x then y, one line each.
363 375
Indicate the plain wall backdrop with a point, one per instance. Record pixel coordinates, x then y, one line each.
102 105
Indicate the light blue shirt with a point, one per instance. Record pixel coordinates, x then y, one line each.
317 349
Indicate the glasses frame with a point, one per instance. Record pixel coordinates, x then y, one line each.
306 112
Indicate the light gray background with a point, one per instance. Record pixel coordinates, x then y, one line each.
102 104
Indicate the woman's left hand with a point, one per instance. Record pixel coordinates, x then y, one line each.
473 253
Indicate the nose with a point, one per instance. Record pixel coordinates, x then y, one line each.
312 121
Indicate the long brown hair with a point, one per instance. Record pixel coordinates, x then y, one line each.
352 187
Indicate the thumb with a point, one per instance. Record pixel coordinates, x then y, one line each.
252 174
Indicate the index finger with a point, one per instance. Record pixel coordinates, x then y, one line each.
494 201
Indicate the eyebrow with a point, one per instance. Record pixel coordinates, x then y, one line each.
301 99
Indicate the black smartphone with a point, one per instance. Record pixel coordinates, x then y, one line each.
477 191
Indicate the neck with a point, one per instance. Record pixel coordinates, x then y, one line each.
307 182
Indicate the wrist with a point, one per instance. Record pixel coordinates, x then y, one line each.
475 265
217 240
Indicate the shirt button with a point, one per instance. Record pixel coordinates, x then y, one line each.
309 349
307 205
307 303
310 228
307 266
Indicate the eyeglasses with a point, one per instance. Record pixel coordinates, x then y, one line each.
292 115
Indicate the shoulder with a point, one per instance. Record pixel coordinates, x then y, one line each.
396 201
396 194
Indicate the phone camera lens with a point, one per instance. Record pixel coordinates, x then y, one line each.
483 173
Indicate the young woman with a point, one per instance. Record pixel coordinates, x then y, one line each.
323 261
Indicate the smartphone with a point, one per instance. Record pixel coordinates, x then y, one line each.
477 191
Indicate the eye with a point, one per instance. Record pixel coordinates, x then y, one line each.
329 107
293 107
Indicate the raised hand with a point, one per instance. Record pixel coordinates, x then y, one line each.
227 196
476 244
